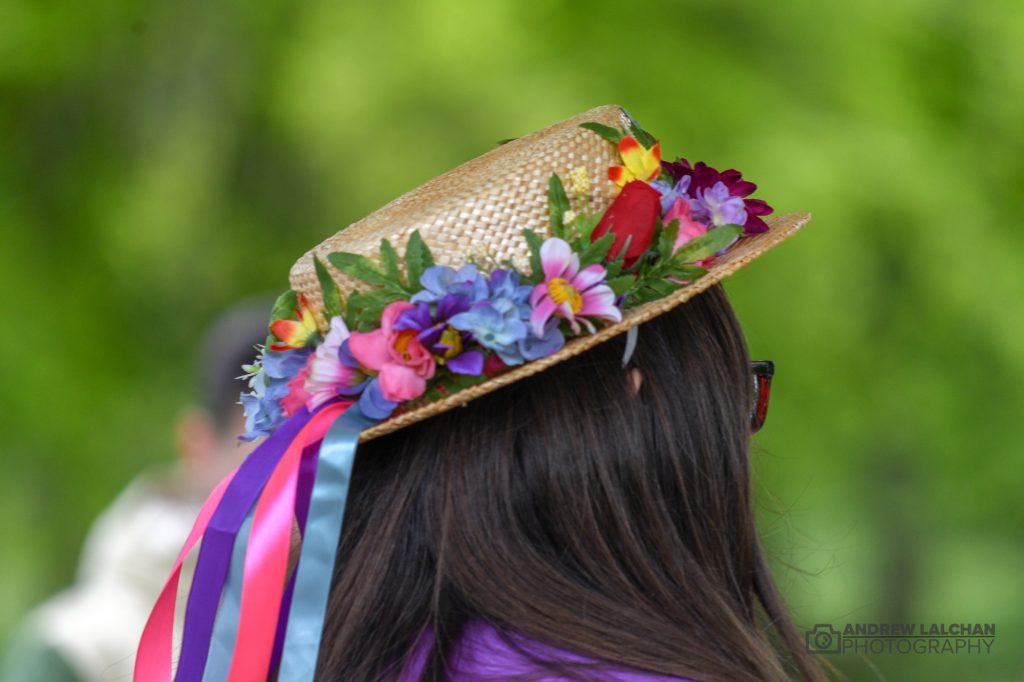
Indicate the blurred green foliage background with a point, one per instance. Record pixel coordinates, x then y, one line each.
159 161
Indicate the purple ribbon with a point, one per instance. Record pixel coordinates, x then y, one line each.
215 550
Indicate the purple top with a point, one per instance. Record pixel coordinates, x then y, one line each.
483 654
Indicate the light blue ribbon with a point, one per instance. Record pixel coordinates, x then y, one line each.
319 547
225 627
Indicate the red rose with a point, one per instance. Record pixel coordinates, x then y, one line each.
634 213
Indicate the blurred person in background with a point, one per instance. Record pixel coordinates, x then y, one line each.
89 631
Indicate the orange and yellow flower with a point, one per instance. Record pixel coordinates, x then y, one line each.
639 163
295 333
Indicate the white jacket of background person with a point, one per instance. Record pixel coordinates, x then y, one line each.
95 624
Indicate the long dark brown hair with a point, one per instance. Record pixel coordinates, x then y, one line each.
577 511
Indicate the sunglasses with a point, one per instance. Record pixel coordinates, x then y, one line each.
763 371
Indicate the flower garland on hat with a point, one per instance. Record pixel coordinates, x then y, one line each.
420 332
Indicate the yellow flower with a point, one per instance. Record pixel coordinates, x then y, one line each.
639 163
295 333
579 181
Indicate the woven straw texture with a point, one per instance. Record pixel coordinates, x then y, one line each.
480 209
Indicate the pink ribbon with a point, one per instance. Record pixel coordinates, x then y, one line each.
153 663
266 559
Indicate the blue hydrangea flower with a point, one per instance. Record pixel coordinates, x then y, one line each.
494 325
268 385
500 323
504 284
533 347
373 404
714 205
262 414
439 281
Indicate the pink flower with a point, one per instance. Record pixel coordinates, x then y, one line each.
402 363
688 227
326 375
570 292
297 395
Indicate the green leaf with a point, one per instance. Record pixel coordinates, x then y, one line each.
456 382
333 303
654 289
558 204
585 224
690 273
611 134
364 269
620 257
366 307
707 244
615 265
667 239
417 258
389 260
621 285
449 383
506 141
534 241
596 252
664 287
613 268
641 135
285 306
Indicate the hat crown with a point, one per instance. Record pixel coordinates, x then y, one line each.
480 208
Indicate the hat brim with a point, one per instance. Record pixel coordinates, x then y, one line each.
739 255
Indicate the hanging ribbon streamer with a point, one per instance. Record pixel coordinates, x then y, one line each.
268 478
240 609
266 558
225 629
216 549
627 354
153 662
307 476
319 547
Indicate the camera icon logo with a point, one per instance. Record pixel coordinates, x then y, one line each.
823 639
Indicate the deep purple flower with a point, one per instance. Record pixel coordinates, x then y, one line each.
438 336
705 177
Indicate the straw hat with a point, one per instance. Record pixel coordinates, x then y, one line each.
482 206
480 210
